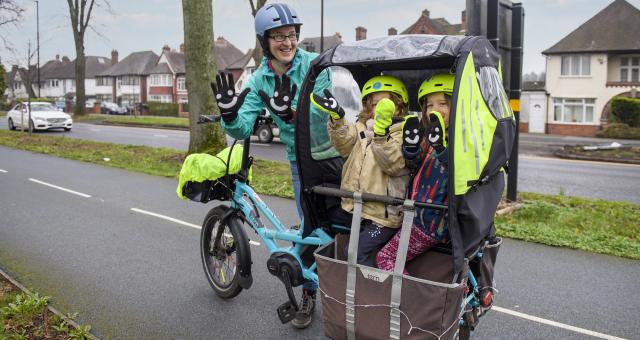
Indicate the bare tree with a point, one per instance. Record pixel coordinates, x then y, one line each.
10 13
257 50
201 70
80 14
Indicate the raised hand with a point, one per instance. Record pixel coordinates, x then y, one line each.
382 119
411 133
283 94
437 136
228 102
328 104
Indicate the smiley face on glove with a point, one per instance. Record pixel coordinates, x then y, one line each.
411 131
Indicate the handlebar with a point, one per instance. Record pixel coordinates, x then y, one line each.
366 197
202 119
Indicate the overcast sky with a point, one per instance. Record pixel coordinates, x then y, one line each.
138 25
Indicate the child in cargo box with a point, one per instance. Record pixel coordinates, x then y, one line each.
374 163
431 160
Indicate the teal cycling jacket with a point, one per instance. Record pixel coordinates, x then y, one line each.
263 79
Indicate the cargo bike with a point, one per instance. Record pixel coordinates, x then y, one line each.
450 286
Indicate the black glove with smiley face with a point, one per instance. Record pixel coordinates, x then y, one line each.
228 102
283 94
437 135
411 134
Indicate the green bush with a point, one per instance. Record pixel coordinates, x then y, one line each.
163 109
622 131
44 100
627 110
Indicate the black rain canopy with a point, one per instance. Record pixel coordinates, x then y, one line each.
481 125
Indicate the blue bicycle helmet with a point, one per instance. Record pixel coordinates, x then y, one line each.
272 16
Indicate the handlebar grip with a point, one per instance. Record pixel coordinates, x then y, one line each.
208 119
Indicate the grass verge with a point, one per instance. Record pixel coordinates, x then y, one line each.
588 224
26 316
151 121
269 177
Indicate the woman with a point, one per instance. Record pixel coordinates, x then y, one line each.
274 86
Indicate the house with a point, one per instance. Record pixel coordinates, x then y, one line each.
426 25
20 83
58 77
167 78
313 44
588 67
126 81
242 69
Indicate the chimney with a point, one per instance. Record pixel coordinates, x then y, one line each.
361 33
425 13
182 48
57 57
392 31
114 57
65 60
463 24
166 49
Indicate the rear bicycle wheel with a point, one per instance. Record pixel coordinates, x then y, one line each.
222 246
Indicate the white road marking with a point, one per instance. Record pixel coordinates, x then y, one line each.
555 324
96 130
4 171
254 243
60 188
161 136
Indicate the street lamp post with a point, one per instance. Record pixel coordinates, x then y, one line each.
321 26
38 41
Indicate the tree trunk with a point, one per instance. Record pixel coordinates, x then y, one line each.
80 74
201 71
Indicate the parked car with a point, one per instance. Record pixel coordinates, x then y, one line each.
89 103
44 116
265 128
110 108
60 105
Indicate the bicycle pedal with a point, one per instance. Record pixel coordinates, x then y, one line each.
286 312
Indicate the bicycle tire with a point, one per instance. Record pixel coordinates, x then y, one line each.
220 261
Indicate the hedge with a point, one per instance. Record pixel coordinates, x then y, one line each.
163 109
35 100
627 110
622 131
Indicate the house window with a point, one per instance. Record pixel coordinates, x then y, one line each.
54 83
574 110
129 80
161 80
104 81
104 98
576 65
630 69
160 98
182 84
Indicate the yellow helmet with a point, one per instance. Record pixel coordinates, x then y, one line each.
441 82
386 83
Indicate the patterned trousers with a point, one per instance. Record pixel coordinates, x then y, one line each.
419 242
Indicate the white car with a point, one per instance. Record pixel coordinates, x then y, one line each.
44 116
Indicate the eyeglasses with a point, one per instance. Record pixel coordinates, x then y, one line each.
280 37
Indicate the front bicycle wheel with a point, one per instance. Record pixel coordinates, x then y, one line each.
222 244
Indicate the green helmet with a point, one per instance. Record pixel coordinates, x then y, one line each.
441 82
386 83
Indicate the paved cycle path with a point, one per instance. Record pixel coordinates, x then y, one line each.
67 230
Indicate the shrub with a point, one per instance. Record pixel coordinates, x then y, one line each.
627 110
163 109
622 131
34 100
